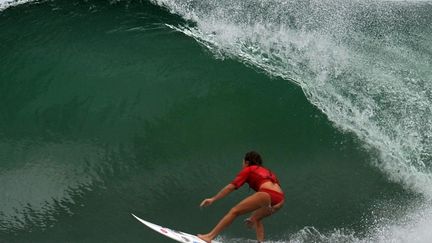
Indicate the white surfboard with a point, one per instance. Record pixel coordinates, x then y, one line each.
173 234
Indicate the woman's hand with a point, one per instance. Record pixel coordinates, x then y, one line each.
225 191
207 202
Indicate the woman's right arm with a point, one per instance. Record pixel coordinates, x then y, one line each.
222 193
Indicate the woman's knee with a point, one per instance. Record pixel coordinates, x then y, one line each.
236 211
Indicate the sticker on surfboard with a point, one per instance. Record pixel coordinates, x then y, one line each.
173 234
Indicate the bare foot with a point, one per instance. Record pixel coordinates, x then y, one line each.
205 238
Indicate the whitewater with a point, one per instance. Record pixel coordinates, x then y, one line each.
9 3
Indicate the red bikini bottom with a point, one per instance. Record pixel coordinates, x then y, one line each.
275 197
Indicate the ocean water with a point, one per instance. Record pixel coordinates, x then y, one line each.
115 107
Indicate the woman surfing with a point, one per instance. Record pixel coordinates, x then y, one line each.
267 199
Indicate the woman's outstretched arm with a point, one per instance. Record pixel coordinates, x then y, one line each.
222 193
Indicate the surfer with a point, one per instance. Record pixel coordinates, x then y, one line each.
267 199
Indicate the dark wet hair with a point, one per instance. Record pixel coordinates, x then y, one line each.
253 158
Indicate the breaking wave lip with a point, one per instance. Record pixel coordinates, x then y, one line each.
4 4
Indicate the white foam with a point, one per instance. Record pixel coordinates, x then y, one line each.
4 4
415 227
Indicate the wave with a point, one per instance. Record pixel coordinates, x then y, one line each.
368 77
365 64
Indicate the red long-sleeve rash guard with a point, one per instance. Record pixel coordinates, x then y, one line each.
255 176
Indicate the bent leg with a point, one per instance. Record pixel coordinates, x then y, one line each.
249 204
256 218
257 215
